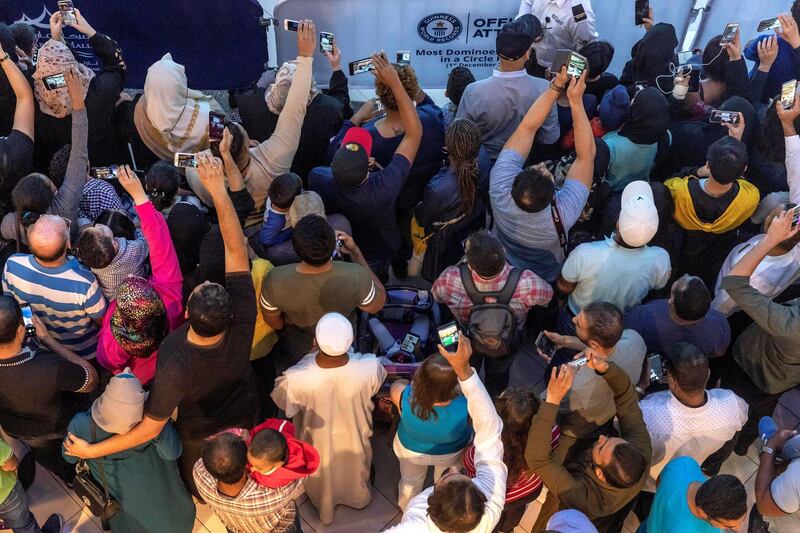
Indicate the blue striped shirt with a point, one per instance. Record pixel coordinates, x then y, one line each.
66 299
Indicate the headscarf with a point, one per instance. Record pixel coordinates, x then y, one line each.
55 57
177 113
279 89
139 322
652 54
121 406
649 117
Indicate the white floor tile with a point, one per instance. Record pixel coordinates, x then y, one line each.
741 467
377 514
214 525
46 497
82 522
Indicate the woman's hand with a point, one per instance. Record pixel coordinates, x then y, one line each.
132 184
767 53
75 89
56 26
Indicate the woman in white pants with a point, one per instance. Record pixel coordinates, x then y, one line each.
434 427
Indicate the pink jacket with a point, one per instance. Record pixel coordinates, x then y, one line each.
168 283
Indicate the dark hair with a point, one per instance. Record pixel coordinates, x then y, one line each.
599 55
32 193
24 36
10 318
516 407
532 190
119 222
485 254
225 457
796 11
463 141
95 249
210 309
237 140
269 445
626 468
435 381
313 240
161 183
58 165
9 44
715 59
722 497
727 159
605 323
770 141
690 298
284 188
457 506
688 366
457 82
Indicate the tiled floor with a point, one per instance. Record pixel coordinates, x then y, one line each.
48 495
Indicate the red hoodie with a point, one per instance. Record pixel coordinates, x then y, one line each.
302 461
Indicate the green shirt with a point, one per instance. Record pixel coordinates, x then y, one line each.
7 479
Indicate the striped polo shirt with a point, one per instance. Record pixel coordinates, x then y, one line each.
65 299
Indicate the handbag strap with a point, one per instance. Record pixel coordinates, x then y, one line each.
562 234
100 461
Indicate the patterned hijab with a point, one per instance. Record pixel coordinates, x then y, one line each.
139 322
279 89
55 57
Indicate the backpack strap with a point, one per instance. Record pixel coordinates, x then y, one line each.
511 285
472 291
478 298
559 224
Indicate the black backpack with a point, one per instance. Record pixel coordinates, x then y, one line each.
492 326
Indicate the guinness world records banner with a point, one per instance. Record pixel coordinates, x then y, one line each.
443 34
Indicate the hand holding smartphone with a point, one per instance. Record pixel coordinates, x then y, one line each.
719 116
769 24
448 335
67 12
545 346
642 11
291 25
788 94
575 62
216 126
325 42
27 320
184 160
729 34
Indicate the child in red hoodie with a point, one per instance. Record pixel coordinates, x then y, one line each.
275 457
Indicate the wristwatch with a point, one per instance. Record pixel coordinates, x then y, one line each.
4 58
767 449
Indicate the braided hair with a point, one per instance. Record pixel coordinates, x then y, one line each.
463 142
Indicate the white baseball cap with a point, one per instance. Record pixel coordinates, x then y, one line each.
334 334
638 219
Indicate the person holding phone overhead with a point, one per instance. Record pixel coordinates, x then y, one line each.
785 64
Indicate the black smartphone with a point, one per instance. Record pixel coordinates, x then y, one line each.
656 368
575 62
184 160
403 57
694 80
54 81
291 25
337 249
216 126
795 214
104 173
788 91
361 66
448 335
729 33
642 11
325 42
545 346
719 116
769 24
67 12
27 319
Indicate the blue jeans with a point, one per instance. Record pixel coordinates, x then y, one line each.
15 512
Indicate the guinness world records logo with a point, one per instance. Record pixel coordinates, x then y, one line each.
439 28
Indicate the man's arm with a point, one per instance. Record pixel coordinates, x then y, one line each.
583 167
24 110
766 476
386 73
210 171
631 422
144 431
521 141
525 8
792 141
373 302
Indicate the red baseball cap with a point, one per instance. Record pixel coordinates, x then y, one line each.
358 136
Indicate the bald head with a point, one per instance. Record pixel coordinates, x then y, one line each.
48 238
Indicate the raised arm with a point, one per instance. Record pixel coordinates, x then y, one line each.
23 113
212 178
766 476
387 74
521 141
583 167
792 141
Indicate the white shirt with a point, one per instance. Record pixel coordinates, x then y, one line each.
605 271
678 430
785 490
561 30
491 471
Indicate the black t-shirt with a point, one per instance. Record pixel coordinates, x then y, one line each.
32 385
709 208
599 87
16 158
213 387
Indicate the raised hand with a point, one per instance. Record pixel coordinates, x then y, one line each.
560 383
306 38
132 184
75 89
459 359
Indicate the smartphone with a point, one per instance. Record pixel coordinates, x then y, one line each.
795 213
27 319
104 173
729 33
54 81
788 94
579 362
325 42
642 11
724 117
684 57
575 62
409 343
361 66
403 57
545 346
656 368
694 80
291 25
67 12
184 160
337 249
448 335
769 24
216 126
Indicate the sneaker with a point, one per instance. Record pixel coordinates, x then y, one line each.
54 524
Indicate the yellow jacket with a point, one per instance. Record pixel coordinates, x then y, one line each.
743 205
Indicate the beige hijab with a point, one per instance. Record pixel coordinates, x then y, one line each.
278 90
55 57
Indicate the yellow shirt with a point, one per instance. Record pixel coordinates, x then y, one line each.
742 206
264 337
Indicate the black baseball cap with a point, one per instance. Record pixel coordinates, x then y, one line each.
515 38
350 163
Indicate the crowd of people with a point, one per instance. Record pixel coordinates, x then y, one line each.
234 327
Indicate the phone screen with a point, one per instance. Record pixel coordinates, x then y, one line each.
788 94
409 343
216 125
656 367
403 57
291 25
642 11
684 57
795 213
724 117
579 362
184 160
729 33
56 81
576 65
325 42
67 11
448 334
544 345
769 24
27 319
361 66
104 173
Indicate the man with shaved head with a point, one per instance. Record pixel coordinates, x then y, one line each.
63 293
